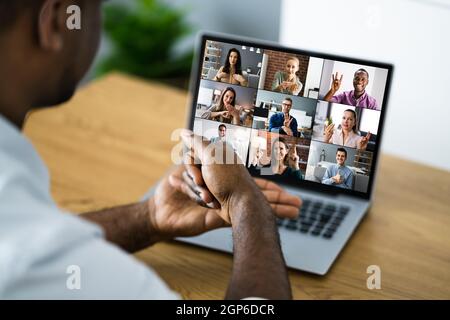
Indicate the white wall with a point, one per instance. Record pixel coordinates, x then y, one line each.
246 18
414 36
314 74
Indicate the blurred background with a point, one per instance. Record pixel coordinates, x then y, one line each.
154 39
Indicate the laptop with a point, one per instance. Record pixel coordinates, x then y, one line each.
326 152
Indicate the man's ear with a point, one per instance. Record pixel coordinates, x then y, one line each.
51 24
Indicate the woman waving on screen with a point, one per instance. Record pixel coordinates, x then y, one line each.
347 134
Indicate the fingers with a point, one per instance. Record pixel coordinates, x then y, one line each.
284 211
194 143
194 172
329 128
184 188
282 198
185 185
264 184
336 78
203 193
283 204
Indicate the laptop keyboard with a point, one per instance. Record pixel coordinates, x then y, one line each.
317 218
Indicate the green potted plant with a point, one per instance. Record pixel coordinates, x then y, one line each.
143 36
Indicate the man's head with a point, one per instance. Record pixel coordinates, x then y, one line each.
222 131
42 59
341 156
360 80
286 105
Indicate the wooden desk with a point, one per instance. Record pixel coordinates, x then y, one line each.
112 141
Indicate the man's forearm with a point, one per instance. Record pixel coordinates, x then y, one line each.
329 95
126 226
259 269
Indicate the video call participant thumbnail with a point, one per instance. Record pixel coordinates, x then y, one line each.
347 135
226 110
284 162
231 72
287 81
282 122
222 130
357 97
339 174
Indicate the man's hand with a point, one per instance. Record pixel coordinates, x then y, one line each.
335 85
218 184
173 214
336 82
337 179
256 245
287 125
179 206
288 131
287 121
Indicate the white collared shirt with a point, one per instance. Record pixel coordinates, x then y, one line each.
49 254
352 139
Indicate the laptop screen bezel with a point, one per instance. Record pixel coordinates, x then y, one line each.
266 45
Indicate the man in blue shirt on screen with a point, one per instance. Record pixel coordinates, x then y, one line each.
338 174
282 122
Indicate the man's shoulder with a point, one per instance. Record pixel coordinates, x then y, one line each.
276 115
341 96
348 169
372 102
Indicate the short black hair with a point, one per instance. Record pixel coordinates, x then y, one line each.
362 70
222 126
342 150
288 99
11 9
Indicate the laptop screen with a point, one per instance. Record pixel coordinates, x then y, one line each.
296 117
